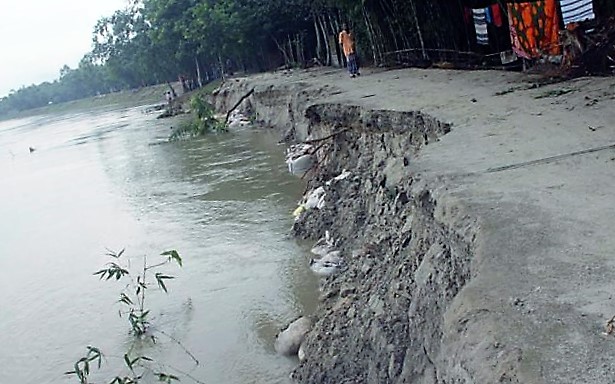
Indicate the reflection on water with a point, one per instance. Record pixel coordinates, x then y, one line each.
107 180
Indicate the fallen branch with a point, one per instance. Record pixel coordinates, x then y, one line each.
313 141
317 164
228 114
326 137
317 148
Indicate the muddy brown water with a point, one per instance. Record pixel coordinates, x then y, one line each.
108 180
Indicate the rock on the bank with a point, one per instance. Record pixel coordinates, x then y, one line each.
289 340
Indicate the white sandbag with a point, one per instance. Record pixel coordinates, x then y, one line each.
289 340
333 257
314 198
300 165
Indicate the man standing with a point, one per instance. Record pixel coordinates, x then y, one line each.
169 96
347 43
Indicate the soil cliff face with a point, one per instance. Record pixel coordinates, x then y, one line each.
407 252
477 254
382 316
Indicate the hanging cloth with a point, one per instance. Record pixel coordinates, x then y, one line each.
534 28
576 10
480 24
496 15
467 16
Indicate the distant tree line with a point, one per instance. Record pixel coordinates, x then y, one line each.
153 41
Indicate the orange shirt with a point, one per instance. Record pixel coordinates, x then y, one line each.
347 42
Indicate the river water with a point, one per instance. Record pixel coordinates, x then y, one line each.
108 180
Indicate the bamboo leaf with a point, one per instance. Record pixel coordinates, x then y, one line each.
94 350
173 255
135 360
127 361
125 299
102 273
164 287
160 279
166 377
77 370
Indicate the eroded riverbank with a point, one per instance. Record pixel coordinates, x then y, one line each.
475 255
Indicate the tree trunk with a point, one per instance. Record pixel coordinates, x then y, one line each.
290 52
388 14
198 72
339 58
318 41
221 67
299 47
283 50
298 50
418 30
323 29
370 34
393 11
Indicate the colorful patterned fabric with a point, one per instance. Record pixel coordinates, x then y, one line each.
576 10
534 28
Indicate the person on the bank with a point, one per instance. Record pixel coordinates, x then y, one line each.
347 43
169 96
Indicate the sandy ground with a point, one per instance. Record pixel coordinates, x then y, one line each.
536 164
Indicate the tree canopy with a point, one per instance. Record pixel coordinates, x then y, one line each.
153 41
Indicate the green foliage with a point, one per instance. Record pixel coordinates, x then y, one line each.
134 294
173 255
154 41
133 301
204 121
81 368
136 369
166 378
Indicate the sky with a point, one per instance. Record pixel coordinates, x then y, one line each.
38 37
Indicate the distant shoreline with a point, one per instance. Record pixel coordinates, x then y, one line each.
134 97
